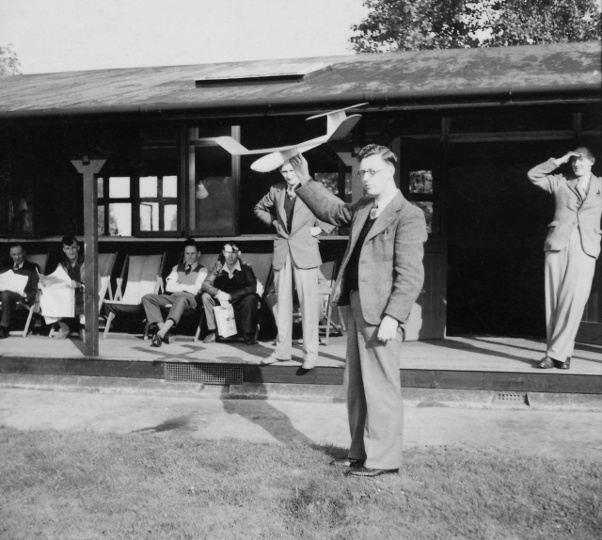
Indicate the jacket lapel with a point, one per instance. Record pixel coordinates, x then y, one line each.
280 204
386 218
360 219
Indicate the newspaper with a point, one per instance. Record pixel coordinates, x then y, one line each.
57 296
9 281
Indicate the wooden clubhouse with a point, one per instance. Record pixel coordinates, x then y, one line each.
119 158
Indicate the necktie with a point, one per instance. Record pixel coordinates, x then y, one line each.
581 189
291 193
374 211
188 269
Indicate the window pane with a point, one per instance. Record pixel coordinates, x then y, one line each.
421 182
329 180
119 187
148 187
149 216
100 187
427 208
101 220
170 186
170 217
120 219
215 210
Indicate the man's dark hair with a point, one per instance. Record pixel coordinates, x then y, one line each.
221 259
69 240
190 242
377 150
16 244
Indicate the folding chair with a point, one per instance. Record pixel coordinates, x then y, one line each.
326 281
143 277
41 260
106 262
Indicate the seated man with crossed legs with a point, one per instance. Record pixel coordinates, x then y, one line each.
182 287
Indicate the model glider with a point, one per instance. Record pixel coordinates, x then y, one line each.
338 125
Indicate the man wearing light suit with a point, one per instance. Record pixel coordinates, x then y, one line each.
296 256
571 249
380 278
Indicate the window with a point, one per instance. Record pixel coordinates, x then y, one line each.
213 183
158 203
142 199
114 206
421 194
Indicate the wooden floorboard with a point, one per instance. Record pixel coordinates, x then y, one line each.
475 362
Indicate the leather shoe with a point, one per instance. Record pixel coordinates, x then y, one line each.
546 363
152 330
250 339
169 338
309 363
4 333
157 341
563 365
370 473
271 360
347 462
210 338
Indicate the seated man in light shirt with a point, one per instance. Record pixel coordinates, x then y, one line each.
182 287
232 281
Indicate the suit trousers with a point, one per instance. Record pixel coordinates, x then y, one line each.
373 383
9 301
245 313
306 282
568 281
153 303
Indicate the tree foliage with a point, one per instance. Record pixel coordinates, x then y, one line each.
9 63
409 25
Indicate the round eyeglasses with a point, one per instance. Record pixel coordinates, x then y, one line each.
369 173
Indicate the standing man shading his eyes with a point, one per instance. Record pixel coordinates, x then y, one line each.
296 260
380 278
571 249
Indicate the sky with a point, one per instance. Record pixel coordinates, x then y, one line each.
73 35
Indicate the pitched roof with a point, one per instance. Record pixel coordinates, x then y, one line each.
394 79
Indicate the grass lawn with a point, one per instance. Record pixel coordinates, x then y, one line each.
162 485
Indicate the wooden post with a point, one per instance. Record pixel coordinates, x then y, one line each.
89 169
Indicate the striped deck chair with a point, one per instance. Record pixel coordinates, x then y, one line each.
143 277
41 260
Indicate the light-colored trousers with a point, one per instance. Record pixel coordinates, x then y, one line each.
306 282
373 383
568 280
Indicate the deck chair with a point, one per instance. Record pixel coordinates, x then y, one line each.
326 280
106 262
41 260
143 277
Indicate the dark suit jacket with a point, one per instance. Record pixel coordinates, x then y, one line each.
303 247
243 283
571 211
390 270
30 270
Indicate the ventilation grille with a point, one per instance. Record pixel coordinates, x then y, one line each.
218 374
511 397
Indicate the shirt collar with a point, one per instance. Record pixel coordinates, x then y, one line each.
382 204
231 272
18 266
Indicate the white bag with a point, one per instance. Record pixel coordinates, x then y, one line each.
224 318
